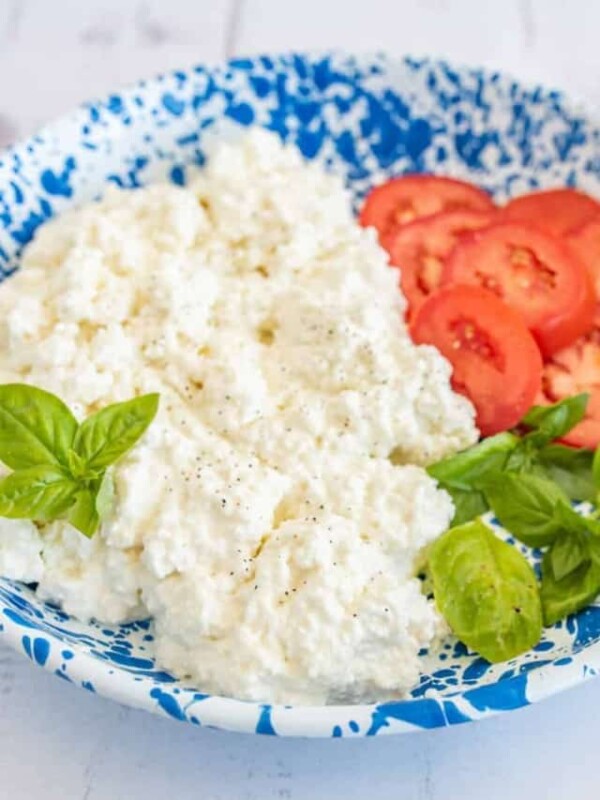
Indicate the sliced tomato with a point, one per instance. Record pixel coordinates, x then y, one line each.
585 242
557 211
405 199
571 371
421 248
496 361
534 273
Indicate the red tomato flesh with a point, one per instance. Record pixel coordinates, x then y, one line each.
407 198
557 211
534 273
574 370
421 248
496 362
585 243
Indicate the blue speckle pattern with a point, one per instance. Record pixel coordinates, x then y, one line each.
366 118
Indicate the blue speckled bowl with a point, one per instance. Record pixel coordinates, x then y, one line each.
366 118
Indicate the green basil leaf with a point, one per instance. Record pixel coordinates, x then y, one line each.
553 421
586 530
571 469
568 552
465 470
467 505
35 427
596 469
486 591
571 520
76 464
522 458
107 435
83 514
105 496
570 594
525 506
40 493
593 543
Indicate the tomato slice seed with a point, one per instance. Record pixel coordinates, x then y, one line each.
469 336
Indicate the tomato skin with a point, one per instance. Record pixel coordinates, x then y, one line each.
496 362
421 248
571 371
534 273
556 211
585 243
402 200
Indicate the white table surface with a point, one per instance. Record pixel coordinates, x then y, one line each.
59 743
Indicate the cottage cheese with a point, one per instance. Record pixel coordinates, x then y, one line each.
270 519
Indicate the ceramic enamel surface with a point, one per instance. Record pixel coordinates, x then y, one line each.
365 118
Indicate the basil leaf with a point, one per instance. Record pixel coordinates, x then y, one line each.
467 505
525 506
522 457
593 543
571 520
487 592
107 435
552 422
41 493
76 464
35 427
596 469
105 495
83 514
571 469
568 552
585 529
569 594
465 470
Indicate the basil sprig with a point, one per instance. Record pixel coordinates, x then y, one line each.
528 481
62 469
